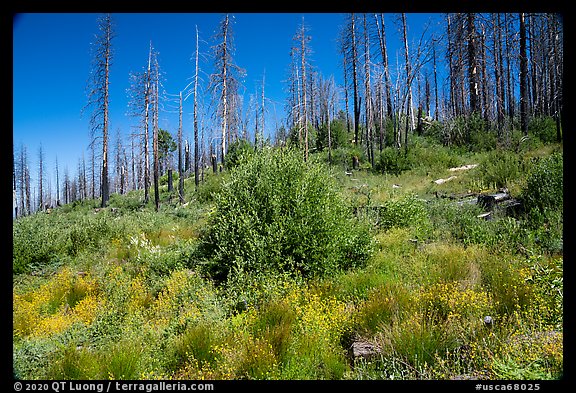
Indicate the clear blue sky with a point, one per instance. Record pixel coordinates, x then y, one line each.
52 61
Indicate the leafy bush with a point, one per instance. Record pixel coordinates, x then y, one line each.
196 342
545 185
89 234
473 132
238 152
211 186
500 168
36 241
163 180
393 161
431 155
403 212
543 198
544 128
338 135
281 214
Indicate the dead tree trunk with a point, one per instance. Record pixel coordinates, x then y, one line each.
523 77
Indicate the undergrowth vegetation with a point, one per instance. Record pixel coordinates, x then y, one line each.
276 268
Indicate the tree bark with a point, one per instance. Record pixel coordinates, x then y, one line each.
384 52
368 96
523 76
155 131
196 152
107 58
472 64
355 78
180 161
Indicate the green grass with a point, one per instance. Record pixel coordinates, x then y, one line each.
123 294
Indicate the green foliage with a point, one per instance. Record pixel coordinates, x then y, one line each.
508 368
434 130
426 153
544 128
274 323
166 144
117 361
90 234
543 198
281 214
32 359
239 152
385 303
211 187
544 189
406 211
393 161
500 168
130 201
338 135
297 281
36 241
463 224
472 132
163 180
196 342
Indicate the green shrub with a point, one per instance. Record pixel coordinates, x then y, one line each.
197 343
385 304
544 128
274 324
89 234
37 240
500 168
338 135
471 132
280 213
163 180
74 363
32 358
403 212
393 161
433 156
238 152
544 188
122 360
211 186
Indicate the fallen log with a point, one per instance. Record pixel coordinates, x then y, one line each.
455 196
442 181
489 201
463 168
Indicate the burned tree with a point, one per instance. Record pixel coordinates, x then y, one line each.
98 95
225 83
523 76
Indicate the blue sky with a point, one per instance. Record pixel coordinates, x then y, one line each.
52 61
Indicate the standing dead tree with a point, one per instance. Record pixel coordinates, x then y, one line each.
414 63
523 75
381 30
369 111
98 95
40 179
327 100
155 97
472 51
225 84
353 52
196 151
22 173
302 51
141 105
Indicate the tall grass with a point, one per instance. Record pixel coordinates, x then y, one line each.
127 295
